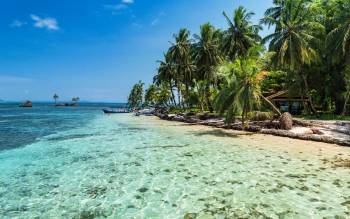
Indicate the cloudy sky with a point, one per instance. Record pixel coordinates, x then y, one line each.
94 49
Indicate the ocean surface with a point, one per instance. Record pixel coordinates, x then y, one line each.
80 163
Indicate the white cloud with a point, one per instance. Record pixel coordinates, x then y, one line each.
137 25
128 1
155 22
17 23
157 19
47 23
117 7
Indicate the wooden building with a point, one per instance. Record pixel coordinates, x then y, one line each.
288 103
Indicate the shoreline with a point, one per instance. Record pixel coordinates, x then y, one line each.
317 131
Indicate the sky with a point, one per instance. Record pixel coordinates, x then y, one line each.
95 49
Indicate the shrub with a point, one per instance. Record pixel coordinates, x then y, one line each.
260 116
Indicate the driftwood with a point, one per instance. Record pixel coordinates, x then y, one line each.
263 127
318 138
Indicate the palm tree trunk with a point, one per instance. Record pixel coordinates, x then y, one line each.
312 108
274 108
243 118
187 98
207 97
345 104
200 97
172 94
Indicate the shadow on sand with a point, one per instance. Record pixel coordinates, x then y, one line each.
220 133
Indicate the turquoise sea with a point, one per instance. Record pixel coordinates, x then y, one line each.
79 163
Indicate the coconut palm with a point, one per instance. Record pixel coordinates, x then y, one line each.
166 75
274 13
241 34
55 97
207 57
181 57
164 95
135 98
338 41
243 92
293 40
151 95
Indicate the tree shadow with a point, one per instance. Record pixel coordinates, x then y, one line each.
220 133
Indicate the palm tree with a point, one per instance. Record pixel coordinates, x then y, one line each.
241 34
180 53
207 57
243 92
164 95
292 41
347 93
151 95
135 98
274 13
166 75
338 41
55 97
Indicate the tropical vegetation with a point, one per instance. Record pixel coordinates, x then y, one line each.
231 71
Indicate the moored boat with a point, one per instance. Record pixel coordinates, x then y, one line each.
26 104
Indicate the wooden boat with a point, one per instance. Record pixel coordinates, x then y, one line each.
119 110
27 104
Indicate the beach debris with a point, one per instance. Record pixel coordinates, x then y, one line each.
286 121
316 131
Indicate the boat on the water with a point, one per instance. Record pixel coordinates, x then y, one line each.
26 104
118 110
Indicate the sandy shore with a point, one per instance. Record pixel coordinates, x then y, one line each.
333 132
262 140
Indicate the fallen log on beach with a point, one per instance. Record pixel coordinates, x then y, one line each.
263 127
307 137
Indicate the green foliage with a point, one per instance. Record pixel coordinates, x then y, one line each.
274 81
207 58
151 95
308 55
294 34
243 93
135 98
241 34
260 116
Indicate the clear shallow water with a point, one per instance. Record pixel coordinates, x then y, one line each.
126 167
22 126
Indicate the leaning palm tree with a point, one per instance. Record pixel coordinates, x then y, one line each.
243 92
207 57
241 34
55 97
293 40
